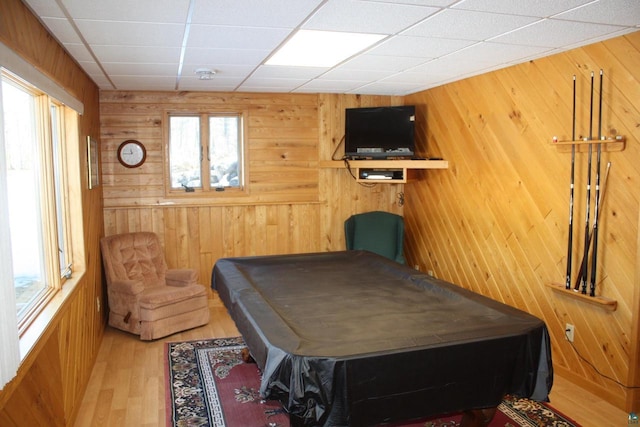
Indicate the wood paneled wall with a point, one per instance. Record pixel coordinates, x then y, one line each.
292 206
52 378
497 221
281 150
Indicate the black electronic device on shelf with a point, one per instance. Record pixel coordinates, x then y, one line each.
380 132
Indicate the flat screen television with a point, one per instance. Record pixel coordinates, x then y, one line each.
379 132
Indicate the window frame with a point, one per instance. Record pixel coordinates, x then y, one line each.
206 190
54 195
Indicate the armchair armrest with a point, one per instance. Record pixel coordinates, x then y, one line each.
181 277
131 287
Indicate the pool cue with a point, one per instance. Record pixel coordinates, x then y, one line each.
602 193
573 163
594 255
588 207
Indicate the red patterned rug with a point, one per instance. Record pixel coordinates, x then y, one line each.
208 384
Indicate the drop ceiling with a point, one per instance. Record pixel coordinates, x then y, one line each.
159 44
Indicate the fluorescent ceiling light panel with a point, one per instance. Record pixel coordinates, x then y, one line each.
312 48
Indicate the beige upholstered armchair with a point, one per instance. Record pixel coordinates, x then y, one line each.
145 297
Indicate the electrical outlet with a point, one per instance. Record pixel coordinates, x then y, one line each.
569 331
430 273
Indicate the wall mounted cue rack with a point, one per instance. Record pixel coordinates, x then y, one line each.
582 145
604 302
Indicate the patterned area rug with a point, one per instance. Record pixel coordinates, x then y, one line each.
208 384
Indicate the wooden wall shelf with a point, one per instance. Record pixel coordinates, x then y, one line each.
606 303
402 168
582 145
387 164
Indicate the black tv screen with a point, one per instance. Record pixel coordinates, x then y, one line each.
379 132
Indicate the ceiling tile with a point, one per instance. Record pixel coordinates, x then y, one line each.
146 69
144 54
554 33
144 82
63 31
615 12
102 81
143 11
432 3
79 51
215 36
420 79
438 69
91 68
46 8
539 8
595 39
131 34
370 62
274 82
488 53
350 75
329 86
274 71
380 88
367 17
421 47
253 57
468 25
253 13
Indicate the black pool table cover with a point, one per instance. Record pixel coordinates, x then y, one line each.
351 338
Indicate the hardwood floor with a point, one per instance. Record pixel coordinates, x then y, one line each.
127 389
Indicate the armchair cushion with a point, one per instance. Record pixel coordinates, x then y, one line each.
159 296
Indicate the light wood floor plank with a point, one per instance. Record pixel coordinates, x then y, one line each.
127 386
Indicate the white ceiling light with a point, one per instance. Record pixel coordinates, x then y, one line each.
312 48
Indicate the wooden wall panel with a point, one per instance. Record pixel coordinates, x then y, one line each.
281 146
197 236
52 378
496 221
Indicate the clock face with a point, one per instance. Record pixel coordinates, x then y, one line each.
131 153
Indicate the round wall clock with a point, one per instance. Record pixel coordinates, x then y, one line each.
131 153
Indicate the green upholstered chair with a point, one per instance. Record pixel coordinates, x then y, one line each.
378 232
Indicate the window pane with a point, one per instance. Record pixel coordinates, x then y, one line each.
184 151
23 182
224 149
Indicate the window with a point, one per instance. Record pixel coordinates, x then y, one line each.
36 194
205 151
